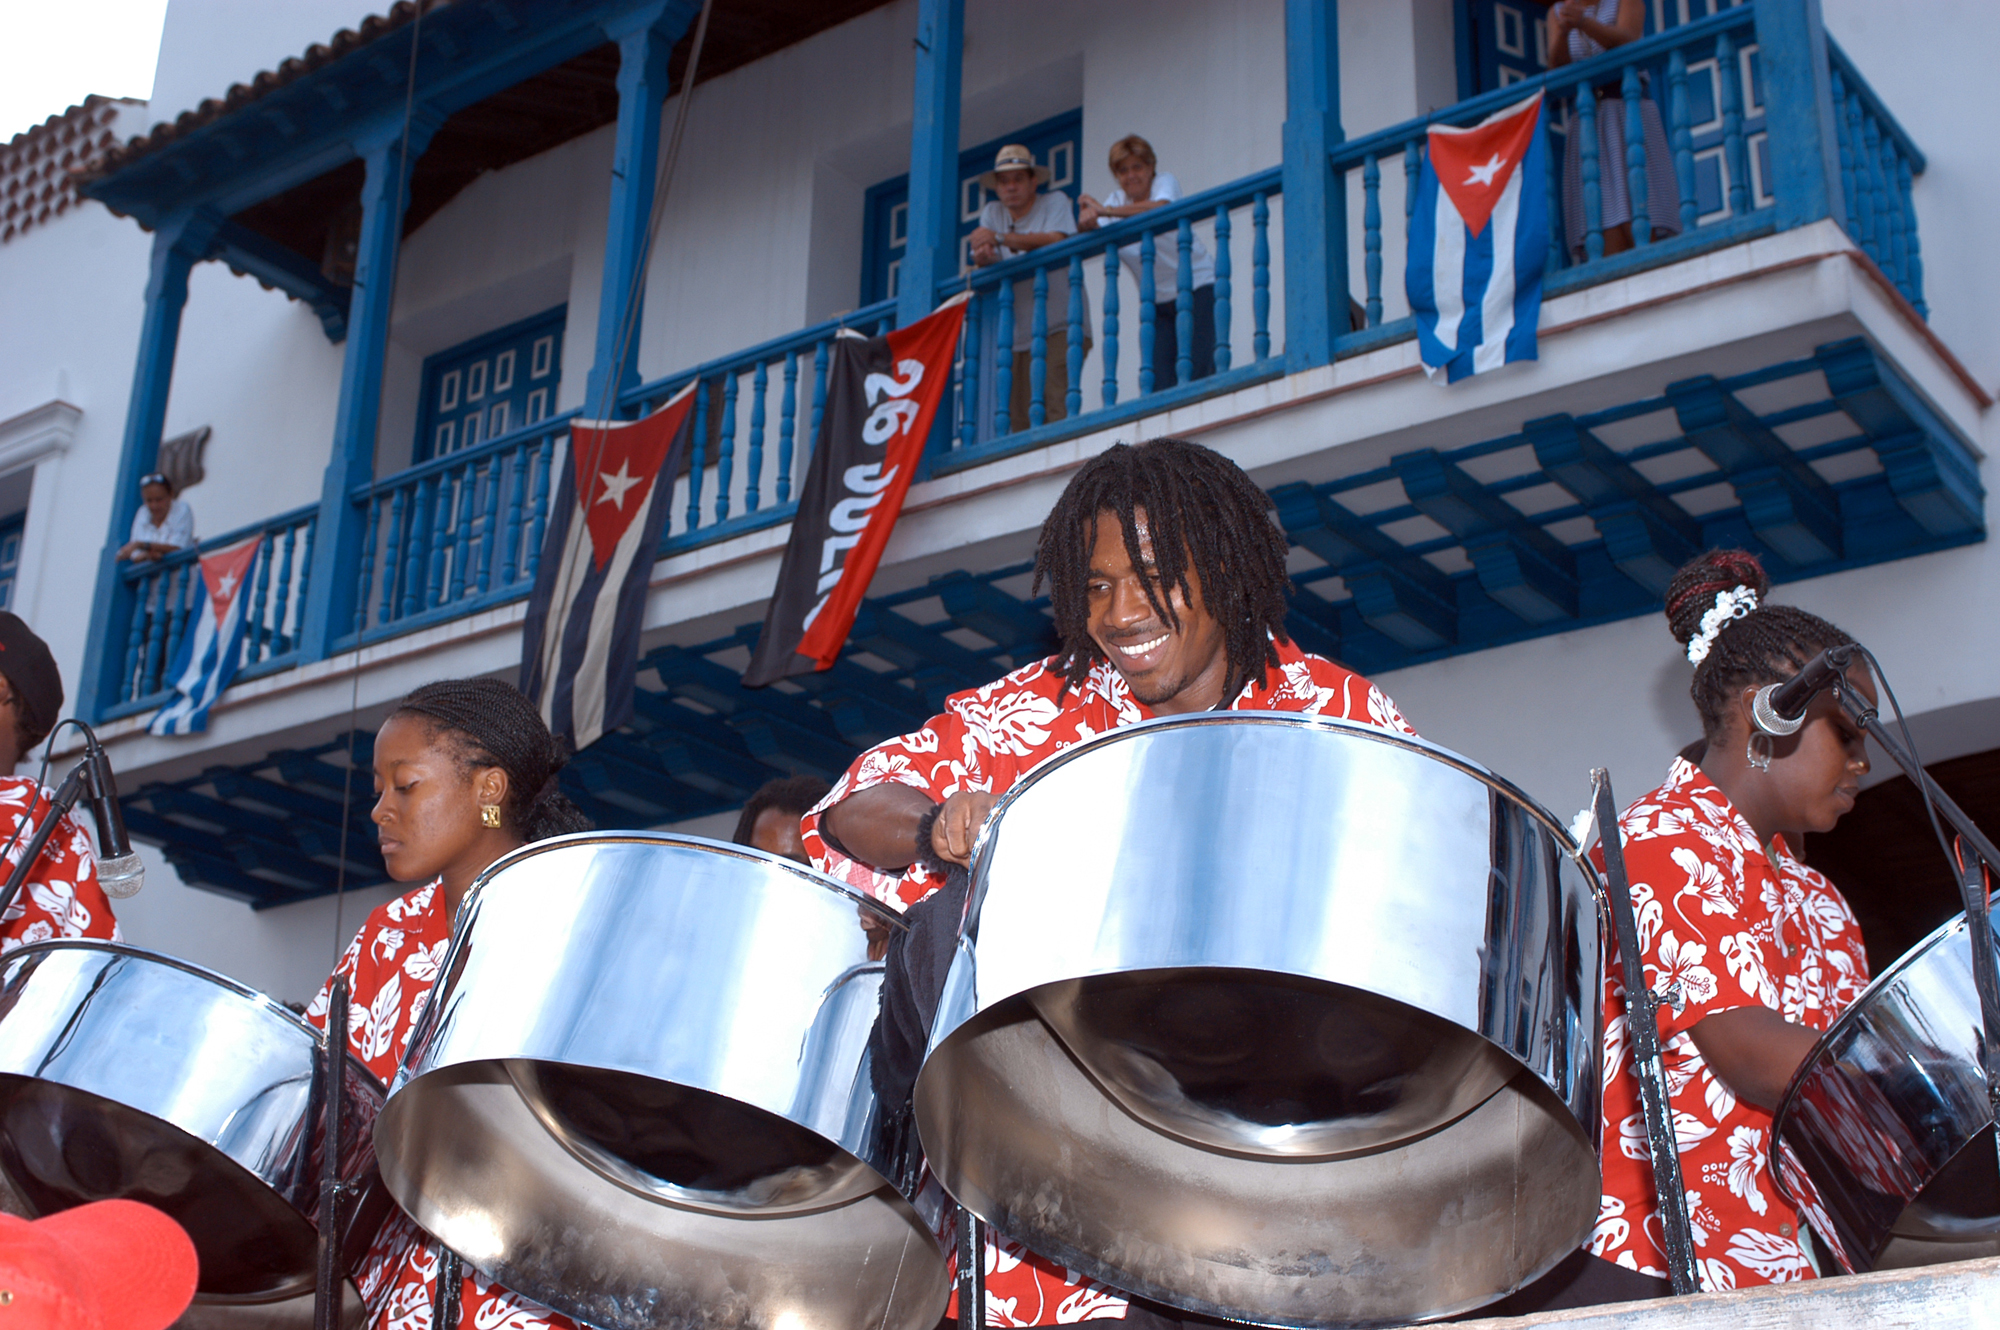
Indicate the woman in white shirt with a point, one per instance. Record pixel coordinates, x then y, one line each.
162 525
1141 187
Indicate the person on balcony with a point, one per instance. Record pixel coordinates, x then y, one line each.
1141 188
465 771
60 897
1167 582
1578 30
1021 218
162 525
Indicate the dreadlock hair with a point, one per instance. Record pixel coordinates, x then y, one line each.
791 794
491 724
1768 645
1203 516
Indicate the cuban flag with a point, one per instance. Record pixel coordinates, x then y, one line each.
1479 239
212 643
580 642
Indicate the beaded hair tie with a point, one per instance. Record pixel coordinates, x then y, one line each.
1736 603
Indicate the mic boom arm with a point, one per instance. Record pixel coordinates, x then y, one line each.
66 795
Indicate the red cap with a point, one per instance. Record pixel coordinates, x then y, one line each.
110 1265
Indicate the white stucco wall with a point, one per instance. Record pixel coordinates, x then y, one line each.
207 45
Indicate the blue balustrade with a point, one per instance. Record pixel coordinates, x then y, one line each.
465 531
167 592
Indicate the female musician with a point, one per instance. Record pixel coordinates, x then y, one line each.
1754 952
465 771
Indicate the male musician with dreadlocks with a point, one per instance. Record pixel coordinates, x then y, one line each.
1755 953
1167 581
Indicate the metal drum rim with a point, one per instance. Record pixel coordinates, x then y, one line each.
1302 720
216 977
1847 1019
811 876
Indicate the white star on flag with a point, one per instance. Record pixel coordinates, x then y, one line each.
1483 173
616 485
228 585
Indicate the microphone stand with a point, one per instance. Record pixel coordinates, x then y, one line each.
1642 1028
326 1284
65 799
1977 855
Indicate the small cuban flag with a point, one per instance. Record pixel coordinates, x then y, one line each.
212 643
1479 239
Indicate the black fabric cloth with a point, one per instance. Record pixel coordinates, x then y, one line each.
30 667
1166 339
1579 1280
913 974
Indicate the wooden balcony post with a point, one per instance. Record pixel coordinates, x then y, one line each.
179 243
1315 195
1798 111
387 153
645 38
931 254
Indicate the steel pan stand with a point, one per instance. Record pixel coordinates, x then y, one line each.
1642 1027
326 1290
971 1271
1976 854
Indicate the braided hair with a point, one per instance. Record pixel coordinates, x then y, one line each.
491 724
1203 516
1768 645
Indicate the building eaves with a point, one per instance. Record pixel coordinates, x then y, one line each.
38 166
343 43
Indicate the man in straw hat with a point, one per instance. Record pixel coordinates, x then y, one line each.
1022 218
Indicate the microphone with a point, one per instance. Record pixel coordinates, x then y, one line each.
1780 708
120 871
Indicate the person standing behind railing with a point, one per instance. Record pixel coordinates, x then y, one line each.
1142 187
162 525
1578 31
1019 219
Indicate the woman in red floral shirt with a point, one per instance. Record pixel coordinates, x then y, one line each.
1754 953
465 771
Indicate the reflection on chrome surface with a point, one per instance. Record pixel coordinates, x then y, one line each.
1886 1132
1275 1018
641 1095
126 1074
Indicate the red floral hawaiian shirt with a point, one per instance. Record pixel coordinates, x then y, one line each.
390 967
1723 925
60 896
988 739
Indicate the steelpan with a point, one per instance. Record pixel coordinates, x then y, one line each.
1885 1132
641 1094
128 1074
1275 1018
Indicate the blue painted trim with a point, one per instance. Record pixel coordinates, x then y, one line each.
556 318
331 592
1315 194
1875 106
278 265
645 40
1798 112
178 244
930 251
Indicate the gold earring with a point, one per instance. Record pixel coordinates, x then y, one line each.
489 815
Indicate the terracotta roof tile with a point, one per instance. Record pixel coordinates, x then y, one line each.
39 166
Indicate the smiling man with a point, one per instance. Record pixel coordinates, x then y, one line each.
1167 582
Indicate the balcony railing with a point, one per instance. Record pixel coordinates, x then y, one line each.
464 532
165 594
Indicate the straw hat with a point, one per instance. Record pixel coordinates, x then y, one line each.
1013 157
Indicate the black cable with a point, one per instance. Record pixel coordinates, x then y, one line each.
41 784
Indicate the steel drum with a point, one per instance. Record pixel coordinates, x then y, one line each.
127 1074
1885 1133
1275 1018
641 1094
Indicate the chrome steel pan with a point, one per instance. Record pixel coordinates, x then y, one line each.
127 1074
1274 1018
641 1094
1885 1131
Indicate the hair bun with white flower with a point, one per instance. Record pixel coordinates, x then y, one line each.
1730 605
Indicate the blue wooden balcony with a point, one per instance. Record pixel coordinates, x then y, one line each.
1821 461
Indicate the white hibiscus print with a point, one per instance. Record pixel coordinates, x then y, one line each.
386 944
1681 965
1704 880
1746 1165
1772 1255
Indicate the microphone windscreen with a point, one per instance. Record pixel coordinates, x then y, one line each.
121 876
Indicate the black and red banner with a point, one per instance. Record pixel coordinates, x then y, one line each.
882 393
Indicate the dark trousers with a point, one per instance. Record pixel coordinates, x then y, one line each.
1166 339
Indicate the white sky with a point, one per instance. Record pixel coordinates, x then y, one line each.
54 53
